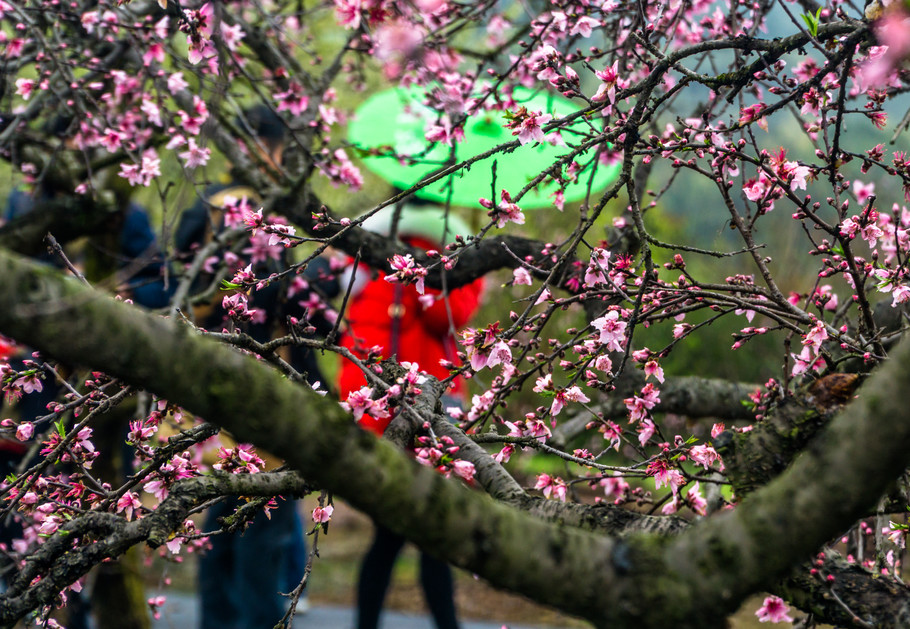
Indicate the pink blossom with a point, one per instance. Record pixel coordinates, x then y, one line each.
551 486
143 172
499 353
29 383
898 536
863 191
757 189
396 41
295 99
612 331
231 35
893 31
529 129
279 233
111 139
704 455
653 368
610 81
680 329
603 363
445 133
24 88
805 361
340 170
816 336
464 469
50 525
195 155
612 432
505 212
849 227
584 26
156 603
347 13
322 515
521 277
24 431
572 394
544 383
360 402
176 83
640 405
154 54
199 50
157 488
14 47
406 271
773 609
151 166
128 503
665 475
598 266
505 454
614 486
900 294
753 113
89 19
152 112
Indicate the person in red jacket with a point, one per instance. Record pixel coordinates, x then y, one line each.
418 329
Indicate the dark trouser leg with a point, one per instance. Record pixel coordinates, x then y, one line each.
297 557
439 591
261 568
240 577
375 574
216 584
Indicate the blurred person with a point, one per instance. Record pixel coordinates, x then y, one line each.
127 246
127 249
405 324
242 577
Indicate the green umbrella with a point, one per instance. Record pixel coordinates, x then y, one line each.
396 119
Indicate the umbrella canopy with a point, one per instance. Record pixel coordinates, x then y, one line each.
397 119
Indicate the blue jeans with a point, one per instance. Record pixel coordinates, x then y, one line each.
241 578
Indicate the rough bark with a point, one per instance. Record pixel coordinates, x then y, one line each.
753 458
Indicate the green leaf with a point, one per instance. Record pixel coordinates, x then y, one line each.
812 21
228 285
61 428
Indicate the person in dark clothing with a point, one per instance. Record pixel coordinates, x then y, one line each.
241 578
130 251
131 247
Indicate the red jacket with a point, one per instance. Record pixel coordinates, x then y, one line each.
6 349
423 333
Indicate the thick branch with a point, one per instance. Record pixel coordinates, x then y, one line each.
640 581
754 458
